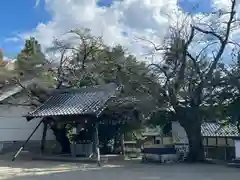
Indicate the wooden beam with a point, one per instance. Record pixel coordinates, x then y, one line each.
43 141
226 147
97 144
22 147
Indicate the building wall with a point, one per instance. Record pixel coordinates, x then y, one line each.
237 148
179 135
215 147
14 128
10 66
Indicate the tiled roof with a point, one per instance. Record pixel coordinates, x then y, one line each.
152 131
214 129
91 100
12 89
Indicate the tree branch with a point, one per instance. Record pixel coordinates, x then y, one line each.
210 32
196 66
60 70
156 48
161 69
184 51
203 49
223 43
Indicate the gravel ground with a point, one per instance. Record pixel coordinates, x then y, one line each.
45 170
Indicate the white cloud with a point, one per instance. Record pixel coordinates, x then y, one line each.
149 19
12 39
222 4
37 3
142 18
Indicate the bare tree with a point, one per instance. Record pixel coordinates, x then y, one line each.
189 77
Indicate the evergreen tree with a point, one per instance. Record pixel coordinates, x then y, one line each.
31 57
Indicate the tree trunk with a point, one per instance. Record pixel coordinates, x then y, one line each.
190 120
62 138
122 144
192 125
196 150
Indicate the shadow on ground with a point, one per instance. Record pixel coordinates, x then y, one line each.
21 169
128 170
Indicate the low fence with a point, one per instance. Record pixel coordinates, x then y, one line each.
220 153
51 146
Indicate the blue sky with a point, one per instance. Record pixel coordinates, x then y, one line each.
18 16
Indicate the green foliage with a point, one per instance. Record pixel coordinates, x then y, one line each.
2 62
1 55
6 75
229 92
161 118
90 62
31 59
47 78
191 84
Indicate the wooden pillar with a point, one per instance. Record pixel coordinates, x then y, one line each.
122 144
97 144
43 142
217 149
206 148
74 144
226 147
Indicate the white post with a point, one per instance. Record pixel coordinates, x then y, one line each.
122 145
97 144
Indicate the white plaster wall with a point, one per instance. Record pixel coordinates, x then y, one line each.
179 134
237 148
14 127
